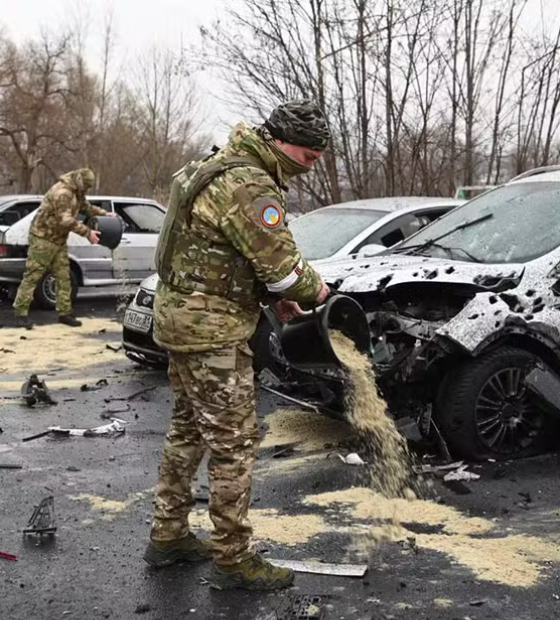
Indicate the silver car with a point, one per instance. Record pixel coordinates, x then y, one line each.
90 265
361 227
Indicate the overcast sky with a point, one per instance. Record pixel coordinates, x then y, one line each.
142 24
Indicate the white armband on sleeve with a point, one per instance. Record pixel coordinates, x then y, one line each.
288 281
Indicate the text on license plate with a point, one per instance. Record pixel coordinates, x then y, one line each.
138 321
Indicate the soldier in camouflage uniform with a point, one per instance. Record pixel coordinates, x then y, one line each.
48 251
225 248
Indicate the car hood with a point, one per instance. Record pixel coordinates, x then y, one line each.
363 275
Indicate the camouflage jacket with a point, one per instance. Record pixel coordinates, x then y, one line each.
244 208
56 217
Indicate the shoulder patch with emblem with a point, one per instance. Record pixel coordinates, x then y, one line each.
269 212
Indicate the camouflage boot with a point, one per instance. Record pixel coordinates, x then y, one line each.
188 549
252 574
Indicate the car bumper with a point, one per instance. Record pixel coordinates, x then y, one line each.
12 269
137 334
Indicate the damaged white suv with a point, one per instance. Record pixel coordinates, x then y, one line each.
465 319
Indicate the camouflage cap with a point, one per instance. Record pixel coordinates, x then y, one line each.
300 122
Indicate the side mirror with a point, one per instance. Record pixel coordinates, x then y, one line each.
370 250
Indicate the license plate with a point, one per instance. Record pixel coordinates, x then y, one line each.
138 321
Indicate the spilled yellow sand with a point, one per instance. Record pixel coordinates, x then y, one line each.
514 560
58 346
270 525
309 430
110 508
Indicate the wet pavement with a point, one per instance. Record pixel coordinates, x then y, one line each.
491 553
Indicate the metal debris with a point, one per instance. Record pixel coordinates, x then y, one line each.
10 466
351 459
291 399
116 427
34 391
42 520
320 568
461 474
300 607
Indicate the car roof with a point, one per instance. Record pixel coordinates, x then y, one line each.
538 175
24 197
395 203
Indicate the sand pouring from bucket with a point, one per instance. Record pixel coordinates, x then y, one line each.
305 340
111 229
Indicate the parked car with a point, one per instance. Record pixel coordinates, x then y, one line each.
362 227
465 316
90 265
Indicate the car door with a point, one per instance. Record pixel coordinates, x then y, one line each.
134 259
95 261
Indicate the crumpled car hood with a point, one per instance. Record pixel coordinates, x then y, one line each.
370 274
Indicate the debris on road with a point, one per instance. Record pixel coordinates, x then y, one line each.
34 391
436 469
10 466
320 568
37 436
109 413
8 556
461 474
99 384
42 520
142 609
111 347
116 427
141 392
351 459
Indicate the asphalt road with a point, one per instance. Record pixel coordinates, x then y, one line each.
491 553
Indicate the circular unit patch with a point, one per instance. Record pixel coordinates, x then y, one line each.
270 216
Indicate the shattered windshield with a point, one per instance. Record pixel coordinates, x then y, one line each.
512 224
323 232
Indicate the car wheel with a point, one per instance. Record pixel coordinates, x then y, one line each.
45 292
485 409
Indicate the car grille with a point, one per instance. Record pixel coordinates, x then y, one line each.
144 299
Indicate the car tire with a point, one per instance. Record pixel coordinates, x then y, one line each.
45 291
485 411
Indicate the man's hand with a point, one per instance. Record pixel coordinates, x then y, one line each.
323 294
110 214
93 236
287 310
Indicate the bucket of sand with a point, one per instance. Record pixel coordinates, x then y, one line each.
305 340
111 229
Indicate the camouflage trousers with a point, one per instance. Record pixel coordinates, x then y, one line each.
214 410
43 256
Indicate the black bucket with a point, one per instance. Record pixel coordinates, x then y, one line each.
305 340
111 230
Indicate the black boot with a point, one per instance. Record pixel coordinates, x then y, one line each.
23 321
69 319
